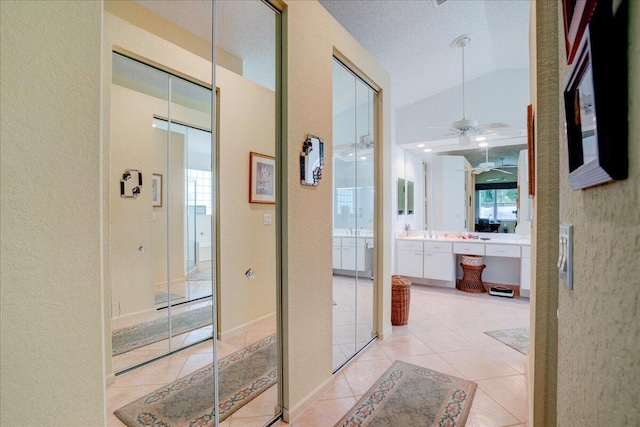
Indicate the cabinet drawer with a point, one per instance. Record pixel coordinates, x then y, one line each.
468 248
512 251
438 247
404 245
353 241
526 252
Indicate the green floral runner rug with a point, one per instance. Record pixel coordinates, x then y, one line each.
516 338
141 334
189 400
410 396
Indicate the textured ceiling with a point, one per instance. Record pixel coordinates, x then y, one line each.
412 39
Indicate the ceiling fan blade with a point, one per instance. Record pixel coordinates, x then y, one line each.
503 171
492 126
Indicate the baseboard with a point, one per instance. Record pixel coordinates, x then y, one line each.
525 293
386 333
110 379
242 328
289 415
130 315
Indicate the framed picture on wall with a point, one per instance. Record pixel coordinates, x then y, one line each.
576 14
262 178
156 190
531 155
595 101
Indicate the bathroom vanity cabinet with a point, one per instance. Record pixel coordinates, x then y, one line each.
435 261
353 253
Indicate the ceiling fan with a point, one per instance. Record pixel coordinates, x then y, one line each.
465 128
487 166
365 143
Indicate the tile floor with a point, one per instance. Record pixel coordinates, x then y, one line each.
445 333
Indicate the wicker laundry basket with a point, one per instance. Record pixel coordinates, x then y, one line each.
400 298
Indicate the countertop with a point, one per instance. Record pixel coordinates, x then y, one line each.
494 238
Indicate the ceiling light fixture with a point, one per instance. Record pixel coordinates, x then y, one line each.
481 138
420 145
483 144
363 158
428 150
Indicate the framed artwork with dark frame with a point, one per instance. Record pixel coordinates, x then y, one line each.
576 14
262 178
595 101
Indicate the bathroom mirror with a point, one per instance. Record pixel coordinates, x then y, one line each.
311 160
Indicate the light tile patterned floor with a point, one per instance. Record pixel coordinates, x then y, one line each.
445 333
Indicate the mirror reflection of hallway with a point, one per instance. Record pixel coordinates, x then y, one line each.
199 227
153 261
353 213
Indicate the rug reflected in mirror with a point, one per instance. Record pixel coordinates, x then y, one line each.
142 334
408 395
516 338
188 401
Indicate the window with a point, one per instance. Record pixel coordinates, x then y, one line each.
497 204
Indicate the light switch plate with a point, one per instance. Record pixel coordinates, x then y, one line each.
266 219
565 255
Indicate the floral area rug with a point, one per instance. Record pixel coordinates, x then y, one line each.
189 401
516 338
410 396
141 334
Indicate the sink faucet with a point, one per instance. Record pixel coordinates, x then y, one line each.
407 228
350 232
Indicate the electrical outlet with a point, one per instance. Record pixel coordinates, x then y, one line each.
266 219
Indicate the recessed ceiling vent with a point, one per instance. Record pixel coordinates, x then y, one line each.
437 3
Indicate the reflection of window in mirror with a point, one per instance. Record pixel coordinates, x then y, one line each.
401 196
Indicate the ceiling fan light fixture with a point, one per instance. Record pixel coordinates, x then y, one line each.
465 124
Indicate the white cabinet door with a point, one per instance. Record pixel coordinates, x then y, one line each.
337 257
439 266
525 269
348 257
409 263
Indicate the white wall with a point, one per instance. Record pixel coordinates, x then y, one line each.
51 337
501 96
447 185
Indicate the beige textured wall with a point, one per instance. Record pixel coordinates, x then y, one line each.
312 37
51 363
134 143
599 324
247 123
544 242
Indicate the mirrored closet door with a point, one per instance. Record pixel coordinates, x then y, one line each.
194 213
353 213
161 211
